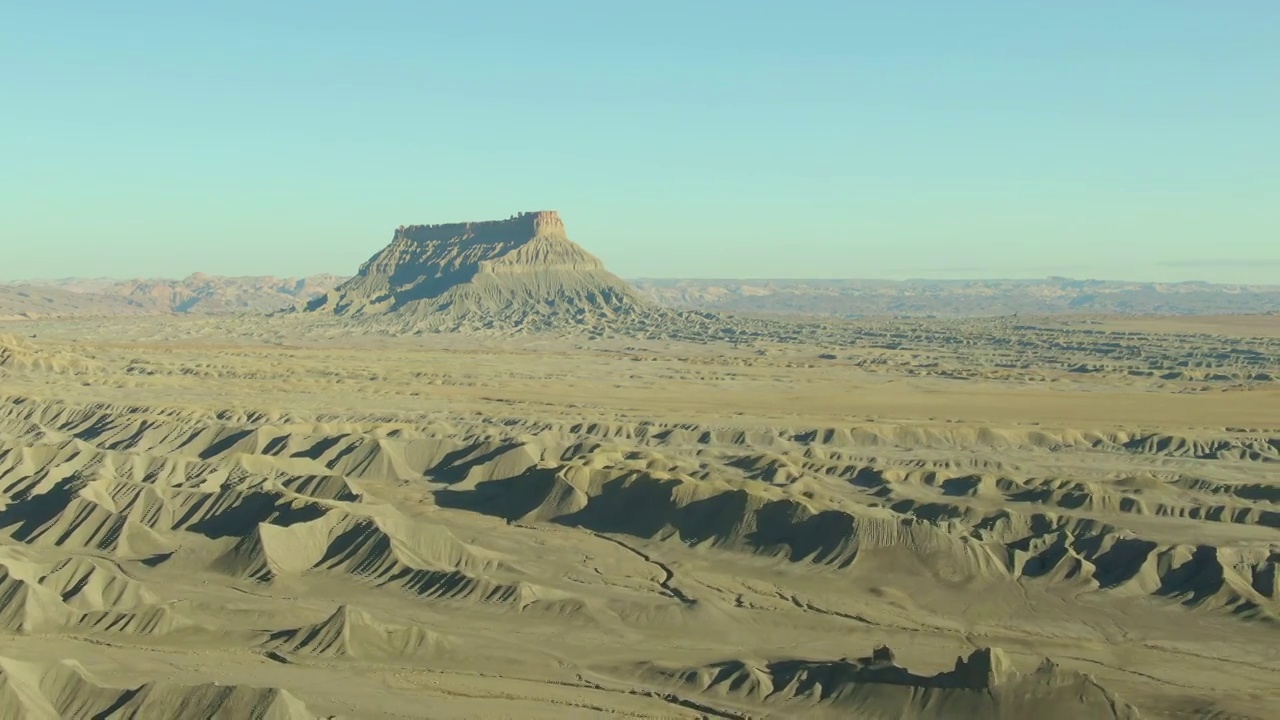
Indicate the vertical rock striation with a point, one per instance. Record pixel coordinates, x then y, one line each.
518 272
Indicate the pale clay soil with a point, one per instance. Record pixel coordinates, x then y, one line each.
326 522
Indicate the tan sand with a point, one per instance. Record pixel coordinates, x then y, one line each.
310 516
470 526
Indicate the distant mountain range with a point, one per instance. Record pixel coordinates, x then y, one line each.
201 294
961 298
198 294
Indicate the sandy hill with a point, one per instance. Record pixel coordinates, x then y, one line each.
353 632
523 271
66 690
19 355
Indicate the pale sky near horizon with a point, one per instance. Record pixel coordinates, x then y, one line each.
704 138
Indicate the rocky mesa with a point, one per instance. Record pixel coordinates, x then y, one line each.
520 272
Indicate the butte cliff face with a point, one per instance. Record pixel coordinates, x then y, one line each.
516 272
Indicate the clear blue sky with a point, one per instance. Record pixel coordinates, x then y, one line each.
1131 139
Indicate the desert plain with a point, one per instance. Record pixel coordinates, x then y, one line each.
635 513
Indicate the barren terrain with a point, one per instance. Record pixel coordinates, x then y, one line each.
486 478
197 294
961 298
328 521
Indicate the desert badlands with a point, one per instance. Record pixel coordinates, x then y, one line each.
486 478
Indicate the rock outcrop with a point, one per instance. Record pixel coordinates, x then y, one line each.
521 272
983 685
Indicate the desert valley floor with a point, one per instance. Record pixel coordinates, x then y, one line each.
281 517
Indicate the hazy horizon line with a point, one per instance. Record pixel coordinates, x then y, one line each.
38 281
